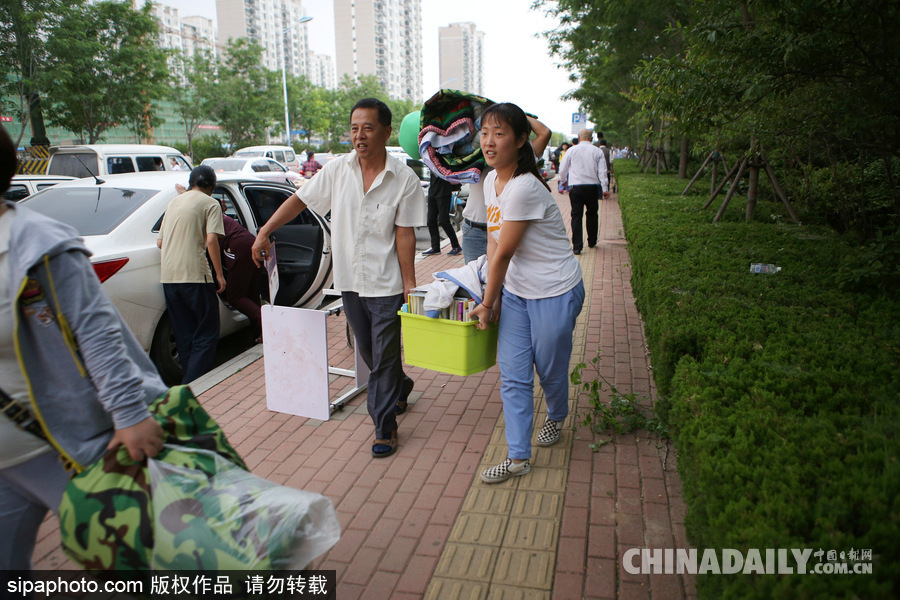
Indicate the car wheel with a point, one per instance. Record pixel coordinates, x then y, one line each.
164 353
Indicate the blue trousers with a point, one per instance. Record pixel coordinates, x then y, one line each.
474 241
27 491
376 328
194 313
535 334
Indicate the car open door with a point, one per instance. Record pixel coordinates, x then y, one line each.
302 246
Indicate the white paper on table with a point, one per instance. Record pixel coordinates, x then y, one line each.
296 361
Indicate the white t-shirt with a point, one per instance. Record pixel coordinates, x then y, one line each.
543 265
363 225
475 209
16 446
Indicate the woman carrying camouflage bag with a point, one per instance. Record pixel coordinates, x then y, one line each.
75 380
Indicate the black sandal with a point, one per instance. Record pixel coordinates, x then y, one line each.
384 448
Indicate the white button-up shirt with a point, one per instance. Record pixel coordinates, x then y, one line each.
584 164
363 224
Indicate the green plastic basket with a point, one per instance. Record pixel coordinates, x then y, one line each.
454 347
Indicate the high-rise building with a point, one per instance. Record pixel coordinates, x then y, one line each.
321 72
274 25
187 35
462 57
382 38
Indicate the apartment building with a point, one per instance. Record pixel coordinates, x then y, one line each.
321 72
187 35
462 57
273 24
382 38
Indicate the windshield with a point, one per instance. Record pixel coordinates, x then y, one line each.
76 164
90 210
227 164
250 153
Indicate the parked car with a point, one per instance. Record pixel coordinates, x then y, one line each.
23 186
119 220
110 159
283 154
264 168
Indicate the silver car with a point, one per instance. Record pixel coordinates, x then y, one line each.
119 220
264 168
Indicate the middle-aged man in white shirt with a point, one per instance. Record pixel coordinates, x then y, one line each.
584 167
376 201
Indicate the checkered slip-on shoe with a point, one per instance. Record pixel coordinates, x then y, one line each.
505 470
549 433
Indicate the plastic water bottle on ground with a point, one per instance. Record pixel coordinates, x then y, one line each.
763 268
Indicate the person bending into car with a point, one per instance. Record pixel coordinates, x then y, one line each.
190 228
242 276
376 201
74 381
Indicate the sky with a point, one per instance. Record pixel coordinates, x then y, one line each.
518 65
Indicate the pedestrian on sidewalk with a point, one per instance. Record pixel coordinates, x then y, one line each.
583 168
534 288
75 381
190 230
376 201
440 192
474 229
609 159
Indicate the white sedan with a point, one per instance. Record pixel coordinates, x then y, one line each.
23 186
119 220
264 168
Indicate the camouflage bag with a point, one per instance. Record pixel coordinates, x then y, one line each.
194 506
106 515
235 520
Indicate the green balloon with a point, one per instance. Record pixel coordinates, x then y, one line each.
409 133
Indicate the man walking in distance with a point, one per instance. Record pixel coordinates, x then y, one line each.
375 202
191 226
584 167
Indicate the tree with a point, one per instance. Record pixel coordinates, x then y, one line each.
309 106
399 109
104 68
812 82
22 52
602 41
244 101
192 84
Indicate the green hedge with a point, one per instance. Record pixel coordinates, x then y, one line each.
781 391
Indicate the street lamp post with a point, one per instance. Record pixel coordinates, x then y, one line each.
287 119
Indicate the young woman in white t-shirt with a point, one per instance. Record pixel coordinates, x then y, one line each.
537 280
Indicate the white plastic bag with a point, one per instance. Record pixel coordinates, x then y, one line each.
234 520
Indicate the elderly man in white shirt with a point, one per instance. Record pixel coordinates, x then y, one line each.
584 167
376 201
